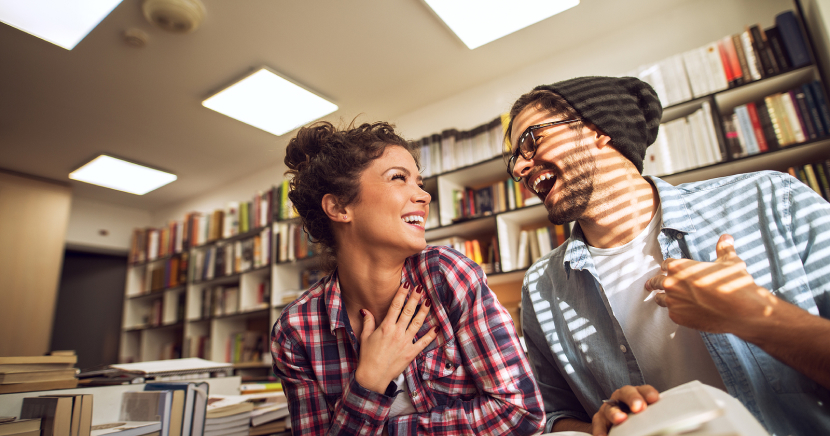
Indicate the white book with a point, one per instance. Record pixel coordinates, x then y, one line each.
448 152
677 82
695 69
662 153
715 152
522 260
717 73
435 155
653 75
126 428
700 139
741 138
147 406
231 225
749 53
179 246
426 162
543 234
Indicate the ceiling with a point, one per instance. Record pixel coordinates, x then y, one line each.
380 58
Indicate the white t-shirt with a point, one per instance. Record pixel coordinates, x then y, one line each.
402 404
668 354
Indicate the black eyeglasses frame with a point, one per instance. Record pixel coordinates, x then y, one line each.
527 155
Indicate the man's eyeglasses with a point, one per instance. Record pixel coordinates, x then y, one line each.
526 145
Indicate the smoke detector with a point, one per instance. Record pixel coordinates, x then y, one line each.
179 16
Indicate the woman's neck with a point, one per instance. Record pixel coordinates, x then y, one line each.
368 282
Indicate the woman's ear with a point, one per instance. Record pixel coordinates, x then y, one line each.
332 208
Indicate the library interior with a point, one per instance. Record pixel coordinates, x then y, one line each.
98 285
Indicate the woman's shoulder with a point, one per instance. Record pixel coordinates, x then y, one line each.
296 313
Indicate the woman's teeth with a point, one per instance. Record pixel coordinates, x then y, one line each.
414 219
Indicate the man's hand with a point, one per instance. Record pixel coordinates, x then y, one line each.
637 398
712 296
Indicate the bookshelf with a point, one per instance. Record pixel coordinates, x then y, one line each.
476 165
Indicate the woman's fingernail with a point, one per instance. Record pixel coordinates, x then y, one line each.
418 289
406 284
362 312
429 302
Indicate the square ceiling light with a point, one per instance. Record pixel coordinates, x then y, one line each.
61 22
477 22
121 175
269 102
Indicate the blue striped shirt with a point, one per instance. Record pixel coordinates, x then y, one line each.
781 227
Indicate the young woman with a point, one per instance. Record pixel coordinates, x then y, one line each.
399 338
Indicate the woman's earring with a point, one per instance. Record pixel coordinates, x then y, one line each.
345 217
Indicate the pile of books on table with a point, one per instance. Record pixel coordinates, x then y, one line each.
248 415
38 373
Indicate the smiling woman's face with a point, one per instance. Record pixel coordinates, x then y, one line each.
392 206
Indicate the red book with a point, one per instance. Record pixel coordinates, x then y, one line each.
727 66
756 126
734 61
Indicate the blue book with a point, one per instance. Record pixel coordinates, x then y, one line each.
812 110
821 103
790 31
747 130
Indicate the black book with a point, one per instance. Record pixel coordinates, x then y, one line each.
766 125
800 100
776 45
759 43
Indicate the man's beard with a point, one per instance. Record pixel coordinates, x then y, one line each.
577 189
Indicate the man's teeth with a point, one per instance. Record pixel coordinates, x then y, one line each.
541 178
413 219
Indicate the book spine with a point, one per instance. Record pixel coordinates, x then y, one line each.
768 64
797 95
812 181
777 48
739 51
751 58
791 35
756 127
792 116
728 44
776 123
766 125
746 128
821 103
812 110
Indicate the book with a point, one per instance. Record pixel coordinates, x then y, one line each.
752 61
821 104
756 127
127 429
766 125
20 426
800 103
81 413
792 117
812 180
763 52
37 376
38 386
55 414
148 406
179 407
175 367
776 46
194 402
791 35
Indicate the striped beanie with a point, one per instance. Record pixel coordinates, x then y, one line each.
624 108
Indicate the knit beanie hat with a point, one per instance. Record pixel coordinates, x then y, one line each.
624 108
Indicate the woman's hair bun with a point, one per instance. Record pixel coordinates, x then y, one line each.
309 142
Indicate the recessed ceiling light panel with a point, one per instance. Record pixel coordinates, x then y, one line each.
477 22
269 102
121 175
61 22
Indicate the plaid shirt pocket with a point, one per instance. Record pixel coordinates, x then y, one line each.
445 376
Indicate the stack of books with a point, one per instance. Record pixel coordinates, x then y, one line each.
59 414
9 426
270 414
37 373
228 415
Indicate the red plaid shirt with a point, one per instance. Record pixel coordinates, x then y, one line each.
473 378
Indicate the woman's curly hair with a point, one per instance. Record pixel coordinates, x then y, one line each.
323 159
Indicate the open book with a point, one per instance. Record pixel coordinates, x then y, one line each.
693 409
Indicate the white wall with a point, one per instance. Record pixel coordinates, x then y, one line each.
88 218
609 49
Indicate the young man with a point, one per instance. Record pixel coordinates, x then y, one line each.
726 281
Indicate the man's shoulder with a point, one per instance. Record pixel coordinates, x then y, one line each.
736 181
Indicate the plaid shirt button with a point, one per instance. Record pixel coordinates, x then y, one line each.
448 365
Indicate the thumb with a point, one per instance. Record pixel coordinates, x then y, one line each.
368 325
726 247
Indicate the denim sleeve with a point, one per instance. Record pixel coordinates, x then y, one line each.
810 230
559 400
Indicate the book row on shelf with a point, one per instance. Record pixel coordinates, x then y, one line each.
779 120
293 243
453 149
816 175
227 258
684 143
154 316
499 197
536 242
225 300
199 228
170 274
734 60
247 346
